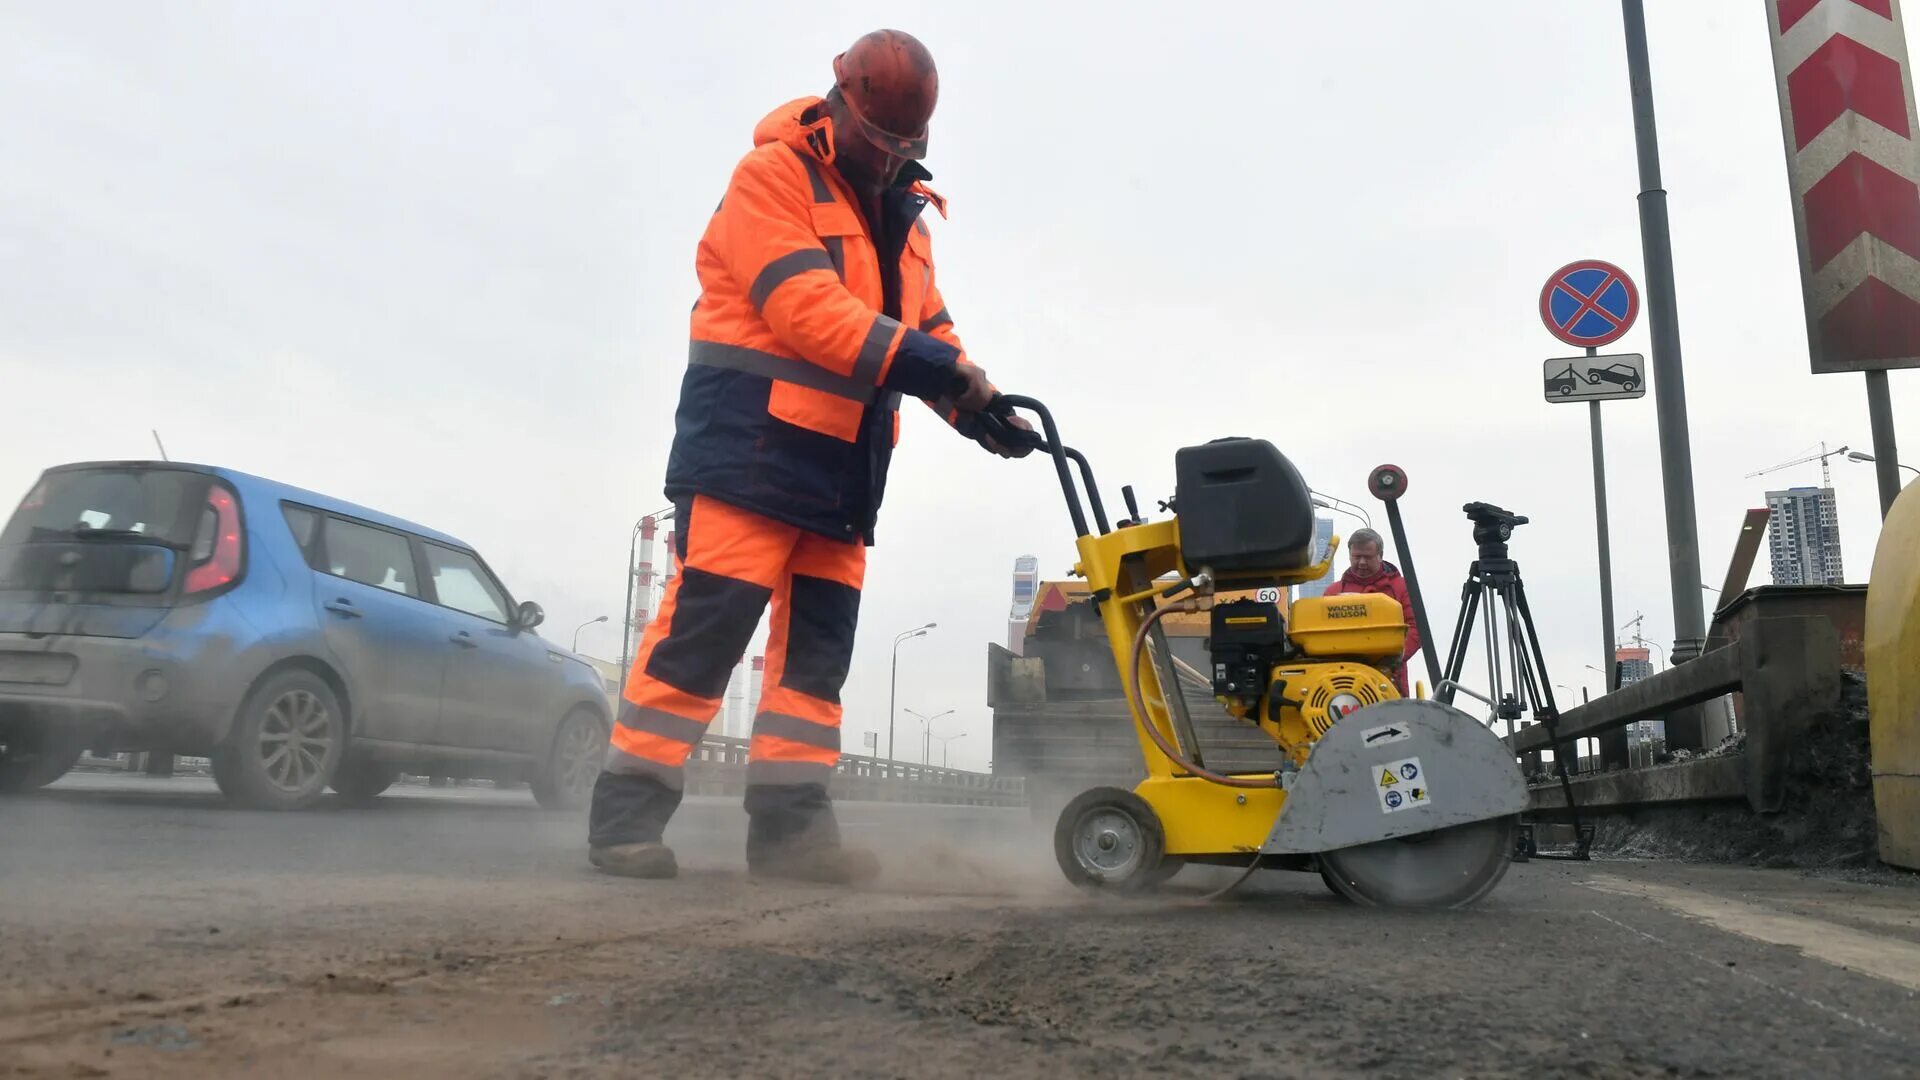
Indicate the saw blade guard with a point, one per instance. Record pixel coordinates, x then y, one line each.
1395 769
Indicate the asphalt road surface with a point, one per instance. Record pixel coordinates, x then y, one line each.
145 930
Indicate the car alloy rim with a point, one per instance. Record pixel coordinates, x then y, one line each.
296 736
579 758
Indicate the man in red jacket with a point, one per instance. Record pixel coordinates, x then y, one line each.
1368 572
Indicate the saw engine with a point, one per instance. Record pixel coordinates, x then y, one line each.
1293 680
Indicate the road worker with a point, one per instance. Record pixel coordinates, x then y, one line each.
819 311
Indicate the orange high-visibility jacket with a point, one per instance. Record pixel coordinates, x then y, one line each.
806 335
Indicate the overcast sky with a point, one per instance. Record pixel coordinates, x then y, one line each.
437 259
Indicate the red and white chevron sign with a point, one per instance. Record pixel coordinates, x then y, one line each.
1846 111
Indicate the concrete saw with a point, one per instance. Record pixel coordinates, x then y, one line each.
1403 802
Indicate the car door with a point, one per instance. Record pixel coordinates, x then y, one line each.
390 640
500 678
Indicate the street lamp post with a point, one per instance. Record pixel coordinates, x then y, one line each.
1669 379
893 688
945 741
1860 455
926 732
583 626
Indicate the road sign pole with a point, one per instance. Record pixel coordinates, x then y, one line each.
1886 459
1613 745
1670 392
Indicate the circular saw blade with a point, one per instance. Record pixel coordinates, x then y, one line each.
1442 869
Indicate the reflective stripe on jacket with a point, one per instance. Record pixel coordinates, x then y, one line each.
797 363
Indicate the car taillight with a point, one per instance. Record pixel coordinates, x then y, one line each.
222 564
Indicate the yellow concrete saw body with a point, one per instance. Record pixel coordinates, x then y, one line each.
1396 802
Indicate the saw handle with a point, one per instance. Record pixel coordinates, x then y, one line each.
993 423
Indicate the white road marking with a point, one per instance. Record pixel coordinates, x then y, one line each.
1775 987
1889 958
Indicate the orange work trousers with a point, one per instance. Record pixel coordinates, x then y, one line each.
730 564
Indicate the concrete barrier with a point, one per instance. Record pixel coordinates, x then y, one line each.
1699 780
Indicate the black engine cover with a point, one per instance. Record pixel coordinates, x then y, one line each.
1243 508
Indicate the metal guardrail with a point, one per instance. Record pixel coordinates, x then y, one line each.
1787 671
719 767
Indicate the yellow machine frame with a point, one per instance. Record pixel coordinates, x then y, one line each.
1199 817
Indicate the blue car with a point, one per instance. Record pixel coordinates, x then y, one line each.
298 641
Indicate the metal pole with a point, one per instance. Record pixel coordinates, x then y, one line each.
893 692
1606 551
1886 460
1613 745
1400 547
1669 384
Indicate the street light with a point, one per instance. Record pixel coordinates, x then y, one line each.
583 626
1645 644
893 688
944 740
926 731
1861 455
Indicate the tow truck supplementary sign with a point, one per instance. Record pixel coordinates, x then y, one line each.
1589 303
1595 378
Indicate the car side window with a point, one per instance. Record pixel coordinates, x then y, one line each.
370 556
305 525
461 583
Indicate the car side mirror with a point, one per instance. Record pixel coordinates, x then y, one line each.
529 616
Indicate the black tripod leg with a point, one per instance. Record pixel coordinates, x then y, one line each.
1462 633
1544 708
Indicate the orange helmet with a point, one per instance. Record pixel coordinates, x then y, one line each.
889 84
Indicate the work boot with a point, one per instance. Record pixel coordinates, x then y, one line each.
819 865
792 836
651 859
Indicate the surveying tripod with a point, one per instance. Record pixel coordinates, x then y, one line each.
1495 595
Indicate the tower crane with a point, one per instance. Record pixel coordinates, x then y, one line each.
1826 472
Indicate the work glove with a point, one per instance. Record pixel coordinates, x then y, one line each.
1018 450
972 393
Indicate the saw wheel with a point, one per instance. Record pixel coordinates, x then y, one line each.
1110 840
1448 868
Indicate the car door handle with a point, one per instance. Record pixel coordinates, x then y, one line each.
464 640
343 607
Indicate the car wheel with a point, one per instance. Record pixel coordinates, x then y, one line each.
32 758
286 744
360 780
565 780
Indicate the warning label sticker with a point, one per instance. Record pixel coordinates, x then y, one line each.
1402 785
